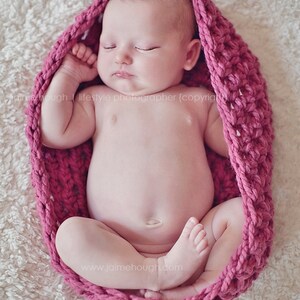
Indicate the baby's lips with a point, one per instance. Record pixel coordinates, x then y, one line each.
123 74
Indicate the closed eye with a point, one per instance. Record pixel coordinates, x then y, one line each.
109 47
146 48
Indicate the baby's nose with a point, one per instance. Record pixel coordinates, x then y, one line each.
123 57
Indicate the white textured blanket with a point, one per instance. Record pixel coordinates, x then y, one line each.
28 28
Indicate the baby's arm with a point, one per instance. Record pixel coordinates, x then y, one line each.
213 135
67 121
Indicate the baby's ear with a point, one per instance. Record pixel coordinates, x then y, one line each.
192 54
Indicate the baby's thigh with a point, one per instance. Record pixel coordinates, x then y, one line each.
78 233
83 225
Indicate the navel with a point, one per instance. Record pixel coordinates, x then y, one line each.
153 223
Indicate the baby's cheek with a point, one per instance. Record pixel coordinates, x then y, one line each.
102 59
99 63
102 69
153 72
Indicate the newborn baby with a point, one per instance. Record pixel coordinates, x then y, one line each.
152 230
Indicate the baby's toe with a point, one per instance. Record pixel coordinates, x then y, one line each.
152 295
189 226
200 236
195 231
202 245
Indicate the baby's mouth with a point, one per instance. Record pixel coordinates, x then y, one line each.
122 74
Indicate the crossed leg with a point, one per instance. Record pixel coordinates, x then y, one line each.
100 255
224 227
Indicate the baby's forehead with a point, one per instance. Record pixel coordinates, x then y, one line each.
174 14
167 7
180 14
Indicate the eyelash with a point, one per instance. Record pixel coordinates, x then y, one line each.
109 47
138 48
147 49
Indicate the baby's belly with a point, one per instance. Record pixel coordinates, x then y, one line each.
146 188
145 205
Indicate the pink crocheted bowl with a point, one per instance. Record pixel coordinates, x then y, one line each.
227 67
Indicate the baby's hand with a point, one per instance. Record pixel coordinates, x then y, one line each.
80 63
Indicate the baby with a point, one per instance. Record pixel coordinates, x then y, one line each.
149 183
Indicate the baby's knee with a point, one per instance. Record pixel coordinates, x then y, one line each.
69 235
236 210
234 217
229 216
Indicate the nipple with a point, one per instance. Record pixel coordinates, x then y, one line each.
188 119
113 119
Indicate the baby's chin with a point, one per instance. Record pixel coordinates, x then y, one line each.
136 88
139 92
142 92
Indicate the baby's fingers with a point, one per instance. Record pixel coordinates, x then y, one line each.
92 60
82 52
78 50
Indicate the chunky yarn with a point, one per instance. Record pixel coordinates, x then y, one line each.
227 67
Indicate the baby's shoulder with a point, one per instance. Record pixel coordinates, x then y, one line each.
195 90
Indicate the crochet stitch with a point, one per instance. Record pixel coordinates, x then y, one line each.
227 67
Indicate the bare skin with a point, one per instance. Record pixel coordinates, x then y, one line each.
149 188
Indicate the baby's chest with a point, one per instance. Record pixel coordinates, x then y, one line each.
151 116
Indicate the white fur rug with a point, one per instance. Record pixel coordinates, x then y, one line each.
28 28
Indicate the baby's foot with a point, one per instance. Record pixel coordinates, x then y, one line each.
172 294
185 257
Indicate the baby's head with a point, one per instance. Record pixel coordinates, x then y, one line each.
146 45
180 17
